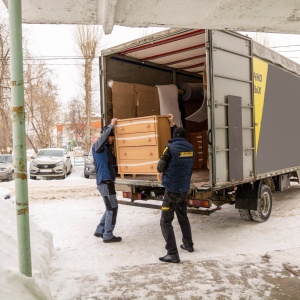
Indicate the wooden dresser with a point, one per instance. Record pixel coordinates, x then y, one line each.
140 143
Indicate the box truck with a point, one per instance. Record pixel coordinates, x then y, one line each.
245 113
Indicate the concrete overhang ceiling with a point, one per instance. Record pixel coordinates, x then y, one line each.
238 15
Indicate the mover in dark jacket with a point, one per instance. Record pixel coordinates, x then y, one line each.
105 164
176 165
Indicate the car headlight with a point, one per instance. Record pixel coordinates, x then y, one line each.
34 164
60 163
8 169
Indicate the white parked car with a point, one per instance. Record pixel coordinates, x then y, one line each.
6 167
50 162
89 167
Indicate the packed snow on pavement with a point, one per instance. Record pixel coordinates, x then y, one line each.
233 259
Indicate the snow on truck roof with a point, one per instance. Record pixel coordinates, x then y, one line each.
184 49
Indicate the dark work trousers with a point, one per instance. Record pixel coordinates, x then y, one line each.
109 218
175 203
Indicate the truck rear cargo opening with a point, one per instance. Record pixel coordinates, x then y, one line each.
237 100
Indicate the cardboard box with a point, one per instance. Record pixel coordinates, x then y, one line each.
131 100
123 100
147 101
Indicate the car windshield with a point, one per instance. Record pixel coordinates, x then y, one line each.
6 159
51 152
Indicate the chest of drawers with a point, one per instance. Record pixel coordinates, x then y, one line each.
140 143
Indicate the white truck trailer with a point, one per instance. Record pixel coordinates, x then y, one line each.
249 113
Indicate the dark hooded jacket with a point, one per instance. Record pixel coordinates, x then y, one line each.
104 160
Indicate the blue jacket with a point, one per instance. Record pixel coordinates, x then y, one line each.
176 164
104 160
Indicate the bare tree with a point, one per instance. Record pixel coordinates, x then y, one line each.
41 105
76 120
5 103
88 40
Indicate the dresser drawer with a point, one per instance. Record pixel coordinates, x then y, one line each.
140 143
146 153
134 125
137 166
137 139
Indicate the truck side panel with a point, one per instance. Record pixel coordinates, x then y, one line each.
277 109
230 74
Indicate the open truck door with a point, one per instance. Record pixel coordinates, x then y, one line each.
230 107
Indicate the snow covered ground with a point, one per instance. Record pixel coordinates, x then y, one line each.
233 259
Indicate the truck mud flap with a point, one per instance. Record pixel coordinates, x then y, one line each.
247 195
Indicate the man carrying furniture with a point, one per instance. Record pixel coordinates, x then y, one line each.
176 165
105 164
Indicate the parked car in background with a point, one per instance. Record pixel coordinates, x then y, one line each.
6 167
50 162
89 168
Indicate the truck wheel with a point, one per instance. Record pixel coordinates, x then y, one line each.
33 177
264 205
245 214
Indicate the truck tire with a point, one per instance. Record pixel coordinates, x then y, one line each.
264 205
245 214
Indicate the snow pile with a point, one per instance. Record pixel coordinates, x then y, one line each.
13 284
233 259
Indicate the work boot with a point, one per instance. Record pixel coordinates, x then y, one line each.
171 258
114 239
98 235
187 248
